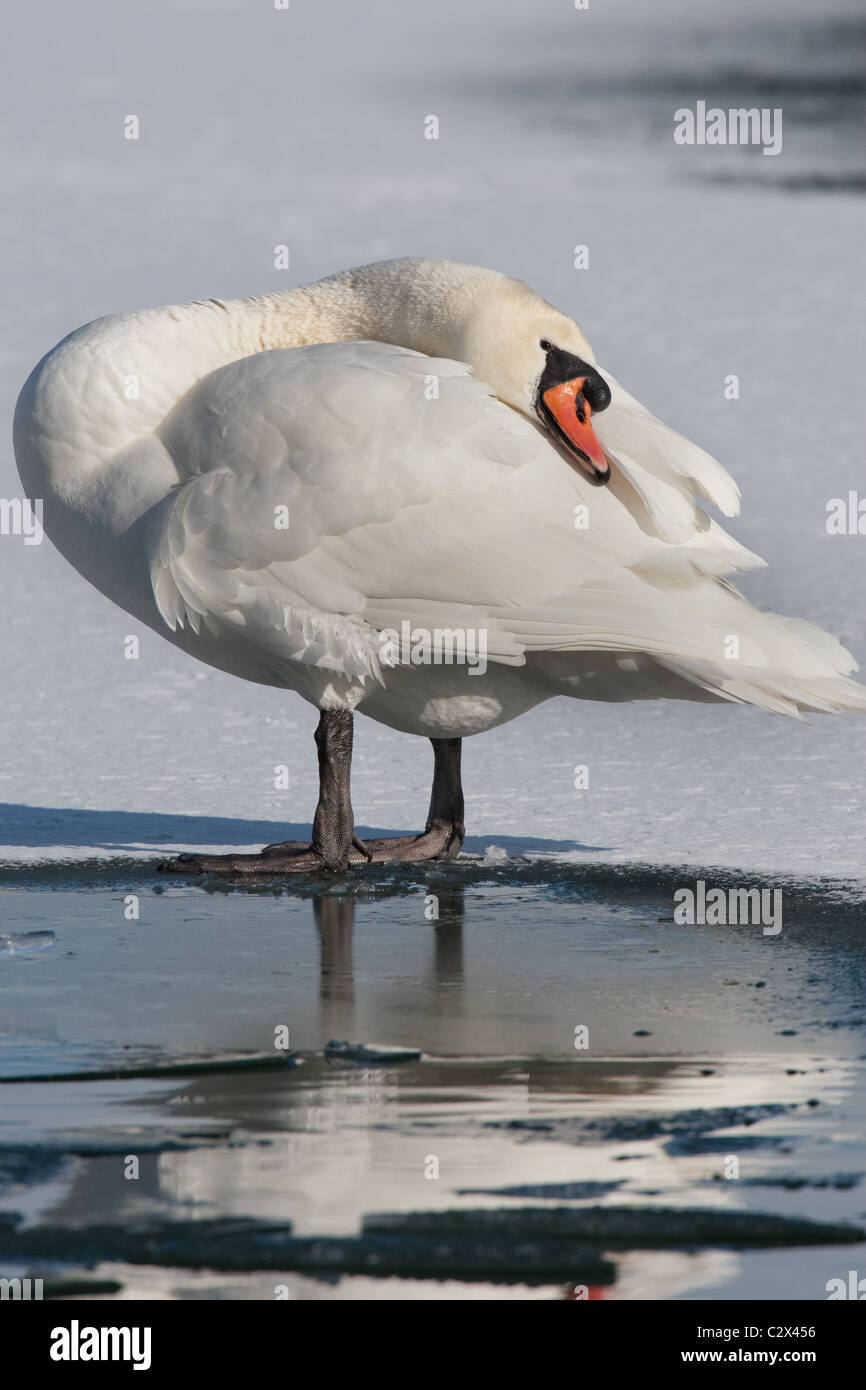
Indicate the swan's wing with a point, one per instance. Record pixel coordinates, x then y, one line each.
313 481
411 494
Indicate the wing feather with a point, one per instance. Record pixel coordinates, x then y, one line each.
446 508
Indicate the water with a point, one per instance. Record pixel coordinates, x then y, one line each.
611 86
162 1039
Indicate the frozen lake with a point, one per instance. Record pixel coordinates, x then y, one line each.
702 262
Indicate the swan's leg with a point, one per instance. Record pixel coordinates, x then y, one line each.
335 844
333 824
444 832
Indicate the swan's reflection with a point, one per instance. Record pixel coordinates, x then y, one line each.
325 1141
335 923
334 916
447 971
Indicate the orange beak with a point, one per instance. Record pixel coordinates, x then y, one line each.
568 413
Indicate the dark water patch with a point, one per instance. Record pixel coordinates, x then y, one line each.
618 99
853 183
832 1023
623 1228
34 1160
551 1191
80 1288
690 1145
150 1064
624 1129
242 1246
793 1182
29 1165
369 1054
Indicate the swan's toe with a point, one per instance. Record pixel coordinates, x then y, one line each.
440 840
180 864
284 847
290 857
200 864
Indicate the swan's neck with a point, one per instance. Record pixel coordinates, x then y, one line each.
418 304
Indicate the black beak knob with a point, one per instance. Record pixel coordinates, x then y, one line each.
596 390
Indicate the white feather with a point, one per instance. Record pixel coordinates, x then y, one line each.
414 494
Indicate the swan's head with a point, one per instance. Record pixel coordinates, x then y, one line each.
537 360
533 357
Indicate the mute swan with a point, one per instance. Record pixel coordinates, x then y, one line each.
306 487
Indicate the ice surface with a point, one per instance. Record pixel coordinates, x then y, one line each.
555 129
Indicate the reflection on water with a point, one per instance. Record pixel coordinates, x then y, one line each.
702 1044
335 920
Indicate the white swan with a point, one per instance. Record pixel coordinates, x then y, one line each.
278 485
